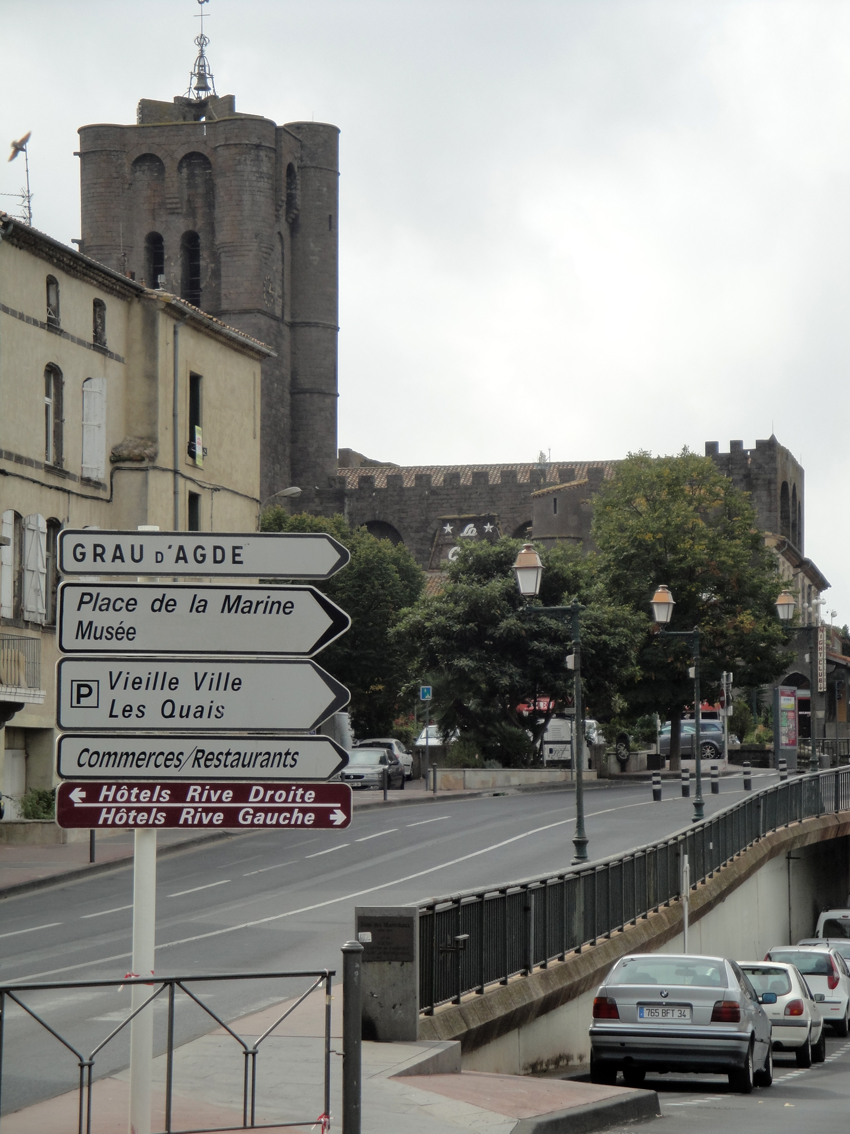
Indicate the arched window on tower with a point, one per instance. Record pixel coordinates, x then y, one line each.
190 268
53 302
795 518
784 510
53 421
154 260
98 322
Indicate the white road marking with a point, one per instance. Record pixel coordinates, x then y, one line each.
422 822
195 889
103 913
276 866
34 929
366 838
330 850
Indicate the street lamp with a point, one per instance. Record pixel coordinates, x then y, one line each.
786 604
529 570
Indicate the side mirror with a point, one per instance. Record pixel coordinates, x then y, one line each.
767 998
819 997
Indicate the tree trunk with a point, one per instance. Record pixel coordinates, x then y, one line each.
676 740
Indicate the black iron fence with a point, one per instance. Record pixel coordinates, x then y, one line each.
16 994
477 938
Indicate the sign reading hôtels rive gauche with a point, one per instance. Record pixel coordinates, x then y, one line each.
287 555
127 694
150 618
107 804
164 756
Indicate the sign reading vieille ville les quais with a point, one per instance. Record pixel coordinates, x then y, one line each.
289 555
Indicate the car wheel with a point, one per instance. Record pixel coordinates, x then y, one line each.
741 1080
803 1054
401 785
819 1049
841 1026
601 1073
633 1077
709 751
764 1077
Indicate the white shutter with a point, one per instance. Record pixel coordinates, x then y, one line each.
7 580
35 568
94 428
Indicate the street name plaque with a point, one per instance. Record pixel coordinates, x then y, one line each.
151 618
210 758
283 555
123 694
196 805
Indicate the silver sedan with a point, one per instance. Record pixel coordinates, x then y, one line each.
668 1012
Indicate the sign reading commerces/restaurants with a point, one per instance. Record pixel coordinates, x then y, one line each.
146 618
282 555
201 805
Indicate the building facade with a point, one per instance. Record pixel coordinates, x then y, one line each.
119 407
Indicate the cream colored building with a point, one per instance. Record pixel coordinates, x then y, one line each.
119 407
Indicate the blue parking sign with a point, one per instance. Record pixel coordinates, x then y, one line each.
424 692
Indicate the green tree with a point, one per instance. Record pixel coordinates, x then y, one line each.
379 582
679 521
486 655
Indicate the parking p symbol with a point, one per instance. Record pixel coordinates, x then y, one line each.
85 694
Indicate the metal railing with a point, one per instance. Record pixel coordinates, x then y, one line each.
13 994
477 938
20 661
811 753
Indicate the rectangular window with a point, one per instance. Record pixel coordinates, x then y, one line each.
35 569
196 406
194 511
52 416
555 505
94 428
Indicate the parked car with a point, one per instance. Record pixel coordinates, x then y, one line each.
839 944
793 1010
668 1012
394 746
710 731
825 970
366 767
834 923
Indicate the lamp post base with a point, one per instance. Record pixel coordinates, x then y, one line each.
699 810
580 843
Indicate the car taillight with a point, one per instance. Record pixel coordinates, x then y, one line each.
794 1008
832 979
726 1012
604 1008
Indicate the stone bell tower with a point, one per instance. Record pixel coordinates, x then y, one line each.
238 216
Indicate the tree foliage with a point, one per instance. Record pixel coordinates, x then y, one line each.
679 521
378 583
486 652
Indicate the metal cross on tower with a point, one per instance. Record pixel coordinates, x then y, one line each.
201 81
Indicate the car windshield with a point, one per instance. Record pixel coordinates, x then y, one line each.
367 756
765 978
832 927
809 962
669 971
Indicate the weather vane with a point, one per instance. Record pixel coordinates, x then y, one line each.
20 147
201 82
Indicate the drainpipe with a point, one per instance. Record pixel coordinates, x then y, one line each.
175 420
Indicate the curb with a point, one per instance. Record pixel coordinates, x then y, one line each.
594 1116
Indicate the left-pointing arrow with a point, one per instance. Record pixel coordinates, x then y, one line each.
78 795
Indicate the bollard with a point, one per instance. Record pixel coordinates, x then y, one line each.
715 780
748 776
352 1030
686 783
386 781
783 768
434 781
656 787
825 763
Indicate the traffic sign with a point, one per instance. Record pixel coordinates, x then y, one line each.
286 555
151 618
125 694
209 758
197 805
424 692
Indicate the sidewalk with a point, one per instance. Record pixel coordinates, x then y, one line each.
414 1088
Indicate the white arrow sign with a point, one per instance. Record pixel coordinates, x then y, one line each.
150 618
283 555
78 795
338 817
194 695
166 757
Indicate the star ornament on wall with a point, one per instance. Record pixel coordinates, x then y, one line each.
448 529
488 527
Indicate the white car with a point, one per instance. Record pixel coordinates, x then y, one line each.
394 746
794 1012
824 970
833 923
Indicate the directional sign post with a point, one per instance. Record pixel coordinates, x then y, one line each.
213 758
281 555
130 695
146 618
196 805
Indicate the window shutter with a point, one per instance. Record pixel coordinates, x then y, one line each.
7 582
94 428
35 568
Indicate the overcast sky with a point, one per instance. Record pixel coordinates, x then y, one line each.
584 226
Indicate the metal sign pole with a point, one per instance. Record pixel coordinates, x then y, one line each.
144 943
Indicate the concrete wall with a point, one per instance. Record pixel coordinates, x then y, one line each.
480 779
